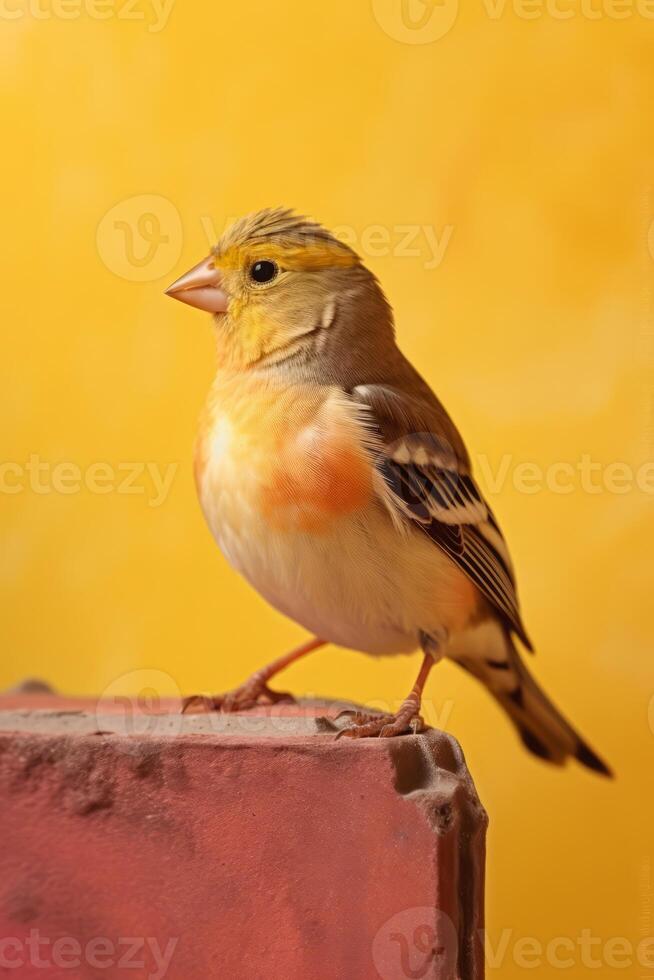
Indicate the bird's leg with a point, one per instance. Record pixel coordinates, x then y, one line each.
255 689
406 719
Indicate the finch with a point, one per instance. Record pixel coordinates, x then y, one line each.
335 482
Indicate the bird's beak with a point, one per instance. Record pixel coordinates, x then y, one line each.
201 287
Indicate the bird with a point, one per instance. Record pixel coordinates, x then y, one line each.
333 479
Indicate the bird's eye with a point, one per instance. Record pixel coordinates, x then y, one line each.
263 271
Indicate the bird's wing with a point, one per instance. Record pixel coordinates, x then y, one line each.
428 476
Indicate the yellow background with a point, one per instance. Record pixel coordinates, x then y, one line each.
531 137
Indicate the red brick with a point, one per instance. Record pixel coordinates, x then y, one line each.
260 844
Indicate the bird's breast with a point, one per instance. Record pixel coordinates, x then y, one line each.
280 458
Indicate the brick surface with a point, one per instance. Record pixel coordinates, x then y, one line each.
249 846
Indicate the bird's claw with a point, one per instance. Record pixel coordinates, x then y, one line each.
249 695
358 717
365 725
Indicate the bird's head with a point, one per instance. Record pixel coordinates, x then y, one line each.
283 288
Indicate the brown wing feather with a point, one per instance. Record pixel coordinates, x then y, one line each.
428 475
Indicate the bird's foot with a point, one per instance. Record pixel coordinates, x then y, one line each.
405 721
252 693
255 690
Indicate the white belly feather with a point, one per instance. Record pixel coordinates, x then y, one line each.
363 585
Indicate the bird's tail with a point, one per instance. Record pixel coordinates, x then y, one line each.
542 728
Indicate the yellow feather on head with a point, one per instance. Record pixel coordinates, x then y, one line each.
280 235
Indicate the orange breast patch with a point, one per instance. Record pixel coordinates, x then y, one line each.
295 456
310 485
